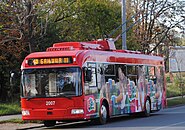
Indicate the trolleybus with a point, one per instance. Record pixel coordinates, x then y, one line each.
90 80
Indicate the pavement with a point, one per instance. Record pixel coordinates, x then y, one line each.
9 117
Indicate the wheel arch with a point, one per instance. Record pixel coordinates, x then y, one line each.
147 110
148 97
107 105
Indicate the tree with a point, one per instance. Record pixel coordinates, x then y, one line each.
33 25
22 24
157 18
87 19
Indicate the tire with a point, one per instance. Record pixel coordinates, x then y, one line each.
147 110
103 114
49 123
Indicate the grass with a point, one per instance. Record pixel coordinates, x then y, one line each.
19 121
173 90
173 85
176 102
10 108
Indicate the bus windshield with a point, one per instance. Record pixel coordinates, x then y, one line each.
55 82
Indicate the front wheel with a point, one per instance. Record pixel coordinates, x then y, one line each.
103 114
147 107
49 123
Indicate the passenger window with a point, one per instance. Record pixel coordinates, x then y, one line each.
109 72
109 69
151 71
132 73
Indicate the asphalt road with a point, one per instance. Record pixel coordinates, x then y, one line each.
168 119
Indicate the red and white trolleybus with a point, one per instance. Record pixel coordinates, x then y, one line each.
90 80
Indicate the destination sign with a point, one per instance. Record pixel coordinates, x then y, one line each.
47 61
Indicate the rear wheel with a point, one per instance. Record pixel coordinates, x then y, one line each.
49 123
147 107
103 114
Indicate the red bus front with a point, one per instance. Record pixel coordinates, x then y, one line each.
52 94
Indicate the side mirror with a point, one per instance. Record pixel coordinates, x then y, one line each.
88 74
13 77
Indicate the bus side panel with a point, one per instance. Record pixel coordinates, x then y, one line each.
124 92
91 106
156 87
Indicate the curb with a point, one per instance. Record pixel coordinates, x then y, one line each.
9 117
175 97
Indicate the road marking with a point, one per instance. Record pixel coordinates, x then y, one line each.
179 123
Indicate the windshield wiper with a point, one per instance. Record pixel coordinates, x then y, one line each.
28 98
60 95
66 96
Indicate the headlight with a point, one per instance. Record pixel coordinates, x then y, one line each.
77 111
25 112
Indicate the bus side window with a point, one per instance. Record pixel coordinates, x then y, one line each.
160 76
109 69
87 74
152 73
109 72
123 69
132 73
100 75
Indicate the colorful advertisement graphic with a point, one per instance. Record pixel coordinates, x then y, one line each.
91 104
127 94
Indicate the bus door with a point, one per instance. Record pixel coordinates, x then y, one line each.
91 91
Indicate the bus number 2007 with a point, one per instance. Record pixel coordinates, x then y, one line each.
50 103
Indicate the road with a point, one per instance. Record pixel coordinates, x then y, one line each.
168 119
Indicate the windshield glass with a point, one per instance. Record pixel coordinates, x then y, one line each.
51 82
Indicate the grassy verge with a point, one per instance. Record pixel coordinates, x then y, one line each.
176 102
8 109
173 90
174 86
19 121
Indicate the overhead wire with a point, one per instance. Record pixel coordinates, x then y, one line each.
137 21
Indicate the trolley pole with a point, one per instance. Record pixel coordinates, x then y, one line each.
124 45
